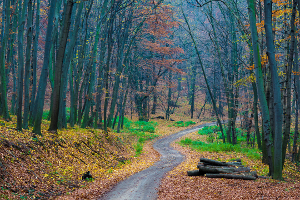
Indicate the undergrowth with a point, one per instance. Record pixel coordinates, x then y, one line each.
213 143
221 147
183 124
144 131
53 164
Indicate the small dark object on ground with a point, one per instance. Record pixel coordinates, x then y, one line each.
172 120
160 117
87 175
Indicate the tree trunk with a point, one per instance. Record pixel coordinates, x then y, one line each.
34 61
260 83
276 92
257 133
3 76
106 74
20 64
27 64
58 66
287 114
38 110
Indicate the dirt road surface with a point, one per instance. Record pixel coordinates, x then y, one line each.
143 185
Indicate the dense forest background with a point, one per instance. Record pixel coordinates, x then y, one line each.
92 62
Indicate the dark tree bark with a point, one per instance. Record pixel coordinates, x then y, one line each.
20 63
39 105
34 60
59 66
288 71
5 25
27 63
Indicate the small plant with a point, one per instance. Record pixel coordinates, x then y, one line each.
138 149
46 114
188 123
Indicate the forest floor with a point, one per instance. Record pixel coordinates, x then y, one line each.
52 166
177 185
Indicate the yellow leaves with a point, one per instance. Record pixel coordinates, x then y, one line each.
250 67
246 80
260 26
281 12
295 73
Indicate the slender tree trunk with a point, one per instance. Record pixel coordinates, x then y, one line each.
34 60
20 63
276 92
3 76
260 83
297 93
39 105
106 74
257 133
27 64
59 67
169 98
287 114
192 89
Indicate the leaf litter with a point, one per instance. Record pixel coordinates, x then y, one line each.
177 185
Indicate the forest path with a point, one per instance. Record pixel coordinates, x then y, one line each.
143 185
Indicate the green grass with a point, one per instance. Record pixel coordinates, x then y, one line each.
221 147
142 130
138 149
46 114
214 131
183 124
213 143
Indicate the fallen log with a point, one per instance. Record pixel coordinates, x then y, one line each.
195 173
209 162
212 162
223 169
234 163
231 176
214 170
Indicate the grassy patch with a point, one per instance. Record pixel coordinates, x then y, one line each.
143 131
221 147
213 143
183 124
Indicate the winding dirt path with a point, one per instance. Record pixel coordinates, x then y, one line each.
143 185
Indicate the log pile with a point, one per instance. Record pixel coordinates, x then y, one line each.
216 169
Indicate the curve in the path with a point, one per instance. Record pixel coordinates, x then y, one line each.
142 185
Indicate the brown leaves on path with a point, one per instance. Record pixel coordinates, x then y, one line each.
177 185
